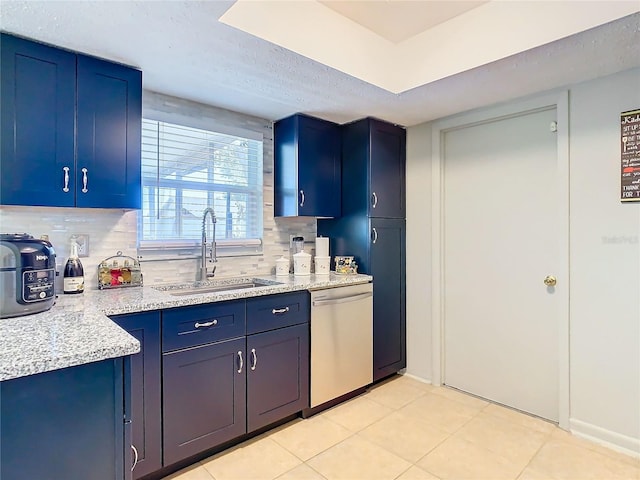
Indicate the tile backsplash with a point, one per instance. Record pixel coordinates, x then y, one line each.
111 231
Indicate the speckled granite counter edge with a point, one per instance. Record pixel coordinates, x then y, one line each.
85 334
162 298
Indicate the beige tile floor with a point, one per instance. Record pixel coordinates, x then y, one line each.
406 430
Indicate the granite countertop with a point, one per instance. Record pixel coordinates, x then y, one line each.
77 330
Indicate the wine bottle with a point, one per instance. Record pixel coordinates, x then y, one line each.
73 272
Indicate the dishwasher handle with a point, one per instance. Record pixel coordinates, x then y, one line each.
337 300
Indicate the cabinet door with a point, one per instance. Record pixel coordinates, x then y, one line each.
37 124
145 390
277 375
109 135
387 170
307 167
204 401
389 321
318 168
64 424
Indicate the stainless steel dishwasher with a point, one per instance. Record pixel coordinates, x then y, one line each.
341 341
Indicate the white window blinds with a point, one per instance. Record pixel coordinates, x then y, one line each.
184 171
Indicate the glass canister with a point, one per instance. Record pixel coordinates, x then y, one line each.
298 244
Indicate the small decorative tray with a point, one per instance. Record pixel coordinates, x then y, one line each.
347 271
119 271
345 265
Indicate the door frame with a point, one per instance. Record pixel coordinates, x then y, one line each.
559 101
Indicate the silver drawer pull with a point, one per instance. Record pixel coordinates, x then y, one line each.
207 324
302 198
375 235
275 311
65 187
255 359
375 199
241 362
85 180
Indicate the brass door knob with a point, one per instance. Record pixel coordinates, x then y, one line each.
550 281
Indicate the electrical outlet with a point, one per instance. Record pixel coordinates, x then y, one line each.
82 239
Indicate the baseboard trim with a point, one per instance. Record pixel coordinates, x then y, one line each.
414 377
614 441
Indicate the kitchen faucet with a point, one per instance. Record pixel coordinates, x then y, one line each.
213 258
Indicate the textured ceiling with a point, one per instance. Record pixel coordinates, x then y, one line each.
184 51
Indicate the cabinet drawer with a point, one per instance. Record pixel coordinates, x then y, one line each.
190 326
277 311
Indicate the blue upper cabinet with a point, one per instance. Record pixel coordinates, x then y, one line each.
109 128
307 167
38 123
71 128
374 150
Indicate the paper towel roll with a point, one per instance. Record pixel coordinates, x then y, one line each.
322 246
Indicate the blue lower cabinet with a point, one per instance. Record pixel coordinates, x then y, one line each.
65 424
277 375
200 381
145 381
204 402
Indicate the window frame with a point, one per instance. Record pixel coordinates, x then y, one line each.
186 247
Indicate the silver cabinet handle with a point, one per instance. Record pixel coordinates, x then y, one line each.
135 461
302 198
255 359
85 180
276 311
65 187
375 235
241 361
333 301
374 197
206 324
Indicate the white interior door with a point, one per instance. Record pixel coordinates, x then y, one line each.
500 227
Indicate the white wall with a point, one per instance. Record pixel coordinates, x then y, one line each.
419 251
604 264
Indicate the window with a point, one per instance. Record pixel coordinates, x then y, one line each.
184 171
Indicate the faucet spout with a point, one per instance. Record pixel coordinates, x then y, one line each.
203 254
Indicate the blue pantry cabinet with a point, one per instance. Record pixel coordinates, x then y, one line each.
372 228
387 263
306 167
71 128
65 424
145 407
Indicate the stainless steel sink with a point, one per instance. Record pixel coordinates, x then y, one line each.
180 290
